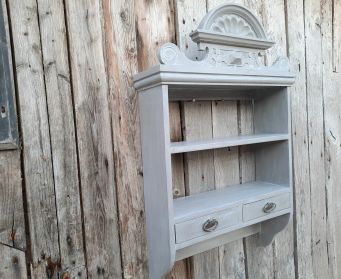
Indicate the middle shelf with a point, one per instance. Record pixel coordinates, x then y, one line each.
189 146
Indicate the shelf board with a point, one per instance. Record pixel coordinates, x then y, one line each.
189 146
201 204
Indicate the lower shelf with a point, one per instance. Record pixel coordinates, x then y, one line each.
206 215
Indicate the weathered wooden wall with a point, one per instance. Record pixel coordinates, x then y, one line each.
71 199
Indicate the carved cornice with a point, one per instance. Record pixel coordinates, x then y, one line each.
230 49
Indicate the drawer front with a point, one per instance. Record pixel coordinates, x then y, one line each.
265 207
207 224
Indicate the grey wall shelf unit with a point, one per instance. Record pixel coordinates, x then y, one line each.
231 44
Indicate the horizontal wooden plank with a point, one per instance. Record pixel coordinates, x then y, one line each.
189 146
201 204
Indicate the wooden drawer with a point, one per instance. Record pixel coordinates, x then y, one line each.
265 207
207 224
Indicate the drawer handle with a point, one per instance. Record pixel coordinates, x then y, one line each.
269 207
210 225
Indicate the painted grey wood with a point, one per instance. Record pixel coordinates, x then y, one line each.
193 228
8 117
199 75
255 210
269 234
216 241
189 146
157 180
230 69
272 163
196 205
271 112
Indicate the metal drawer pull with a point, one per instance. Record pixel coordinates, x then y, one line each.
269 207
210 225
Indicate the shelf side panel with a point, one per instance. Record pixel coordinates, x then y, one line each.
271 112
157 179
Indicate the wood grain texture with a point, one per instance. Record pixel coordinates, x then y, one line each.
12 222
62 130
331 84
96 158
315 115
335 26
13 263
121 58
37 161
301 175
103 59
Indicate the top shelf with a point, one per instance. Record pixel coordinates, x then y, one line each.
204 76
189 146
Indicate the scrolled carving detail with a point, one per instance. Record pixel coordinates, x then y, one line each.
168 54
232 24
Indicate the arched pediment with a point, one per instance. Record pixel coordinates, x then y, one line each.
231 25
229 36
233 19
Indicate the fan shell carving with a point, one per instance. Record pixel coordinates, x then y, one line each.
233 24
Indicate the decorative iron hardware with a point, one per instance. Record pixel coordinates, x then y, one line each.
269 207
210 225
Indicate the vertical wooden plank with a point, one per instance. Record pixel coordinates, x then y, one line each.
63 139
90 89
312 11
332 133
37 162
301 175
12 223
155 26
13 263
121 60
336 27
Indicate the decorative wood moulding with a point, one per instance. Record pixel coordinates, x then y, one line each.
230 44
230 47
